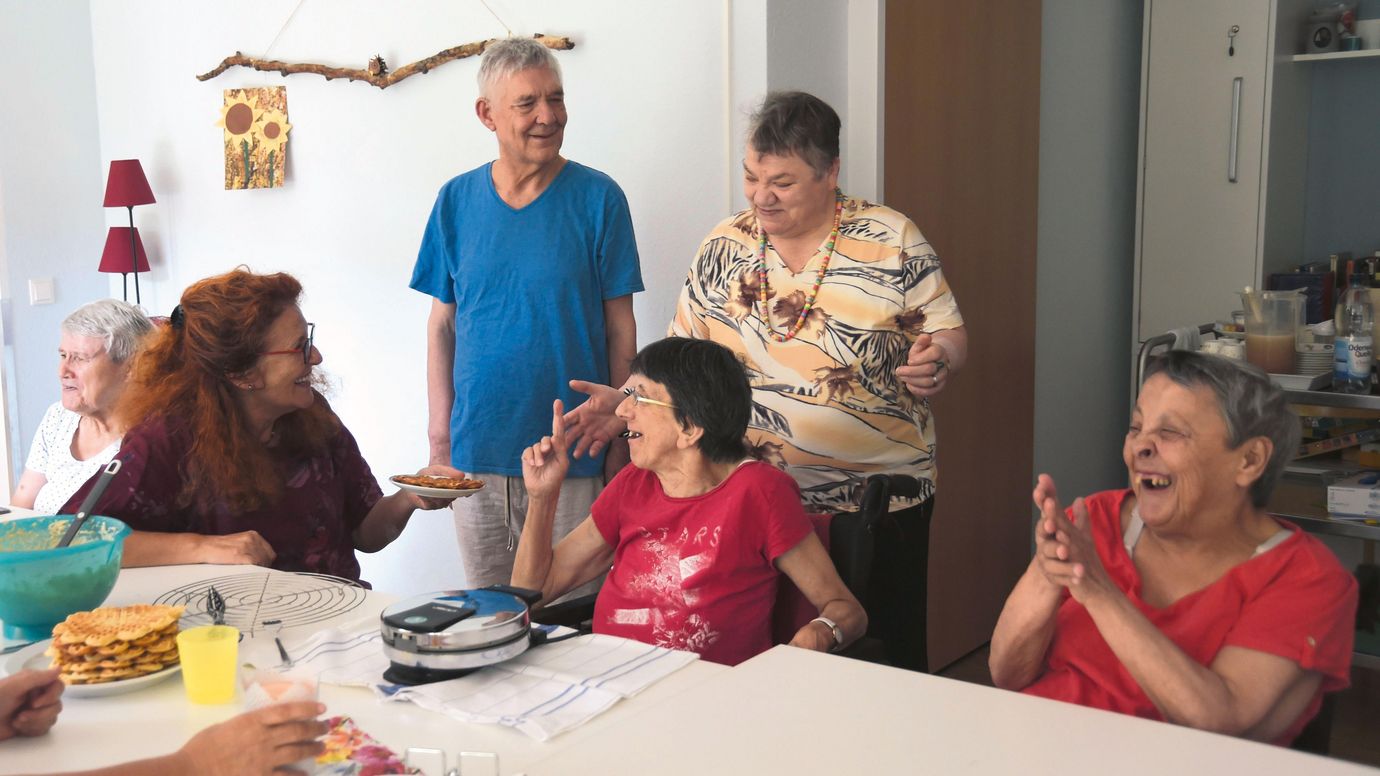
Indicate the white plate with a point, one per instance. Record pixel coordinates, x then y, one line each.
422 490
32 657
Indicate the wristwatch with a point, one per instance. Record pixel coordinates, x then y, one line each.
834 627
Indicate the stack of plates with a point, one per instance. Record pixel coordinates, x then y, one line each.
1313 358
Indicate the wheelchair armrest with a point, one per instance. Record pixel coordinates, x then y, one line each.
573 613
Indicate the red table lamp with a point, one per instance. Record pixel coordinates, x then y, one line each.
124 253
126 187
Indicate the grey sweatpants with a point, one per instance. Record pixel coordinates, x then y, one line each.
489 524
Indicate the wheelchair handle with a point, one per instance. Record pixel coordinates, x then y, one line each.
879 489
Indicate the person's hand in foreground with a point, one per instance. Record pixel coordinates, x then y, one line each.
592 426
256 742
29 703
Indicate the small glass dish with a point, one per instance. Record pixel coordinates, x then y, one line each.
267 686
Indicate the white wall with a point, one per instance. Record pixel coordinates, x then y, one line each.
1089 77
51 188
648 104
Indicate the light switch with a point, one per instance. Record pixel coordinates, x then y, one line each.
40 291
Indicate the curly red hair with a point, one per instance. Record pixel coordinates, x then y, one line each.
184 375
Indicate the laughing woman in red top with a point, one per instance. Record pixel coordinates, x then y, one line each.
1180 598
695 531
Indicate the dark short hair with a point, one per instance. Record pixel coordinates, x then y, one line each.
1250 404
709 387
796 123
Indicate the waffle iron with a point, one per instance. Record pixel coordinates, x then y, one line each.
437 636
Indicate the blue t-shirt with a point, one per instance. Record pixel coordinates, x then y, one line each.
529 288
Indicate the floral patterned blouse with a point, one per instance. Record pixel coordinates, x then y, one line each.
827 405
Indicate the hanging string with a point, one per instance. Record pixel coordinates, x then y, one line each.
491 13
283 28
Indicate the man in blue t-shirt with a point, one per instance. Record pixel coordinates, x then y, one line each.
531 263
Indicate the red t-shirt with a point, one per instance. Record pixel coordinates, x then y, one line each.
1294 600
697 574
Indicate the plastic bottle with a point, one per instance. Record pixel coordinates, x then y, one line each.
1353 354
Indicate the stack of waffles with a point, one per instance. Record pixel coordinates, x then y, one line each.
112 643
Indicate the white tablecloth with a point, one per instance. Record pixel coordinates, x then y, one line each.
158 720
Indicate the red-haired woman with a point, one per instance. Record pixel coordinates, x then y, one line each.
232 455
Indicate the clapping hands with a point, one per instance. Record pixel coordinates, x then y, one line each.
1064 549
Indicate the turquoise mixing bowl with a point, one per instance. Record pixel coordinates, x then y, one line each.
41 584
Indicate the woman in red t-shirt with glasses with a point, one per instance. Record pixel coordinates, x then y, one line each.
695 531
1180 598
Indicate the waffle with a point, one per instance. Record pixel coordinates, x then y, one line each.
435 481
106 625
107 644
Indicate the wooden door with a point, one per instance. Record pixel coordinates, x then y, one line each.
962 107
1203 114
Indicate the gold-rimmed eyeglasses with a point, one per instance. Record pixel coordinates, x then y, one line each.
640 399
304 351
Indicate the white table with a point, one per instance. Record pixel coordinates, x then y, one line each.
158 719
789 711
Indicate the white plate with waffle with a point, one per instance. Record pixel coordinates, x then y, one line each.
425 486
33 656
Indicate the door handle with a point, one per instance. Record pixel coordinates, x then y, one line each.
1235 128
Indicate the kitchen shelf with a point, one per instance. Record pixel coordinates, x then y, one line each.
1362 54
1355 401
1303 500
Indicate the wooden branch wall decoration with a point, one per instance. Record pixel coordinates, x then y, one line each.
377 72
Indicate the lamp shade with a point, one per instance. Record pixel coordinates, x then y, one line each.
127 186
116 258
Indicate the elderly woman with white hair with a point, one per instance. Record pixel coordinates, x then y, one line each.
78 435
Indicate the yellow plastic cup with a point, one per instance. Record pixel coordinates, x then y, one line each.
209 654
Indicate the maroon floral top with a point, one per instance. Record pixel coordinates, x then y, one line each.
310 526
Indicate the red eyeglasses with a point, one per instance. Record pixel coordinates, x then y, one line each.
305 350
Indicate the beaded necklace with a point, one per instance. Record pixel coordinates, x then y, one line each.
764 288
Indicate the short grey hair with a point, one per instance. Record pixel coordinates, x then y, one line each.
796 123
120 325
505 57
1251 405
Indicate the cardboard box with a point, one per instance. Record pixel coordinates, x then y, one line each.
1357 495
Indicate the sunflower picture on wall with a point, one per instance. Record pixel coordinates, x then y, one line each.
256 131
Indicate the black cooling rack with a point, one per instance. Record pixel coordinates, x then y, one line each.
267 601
